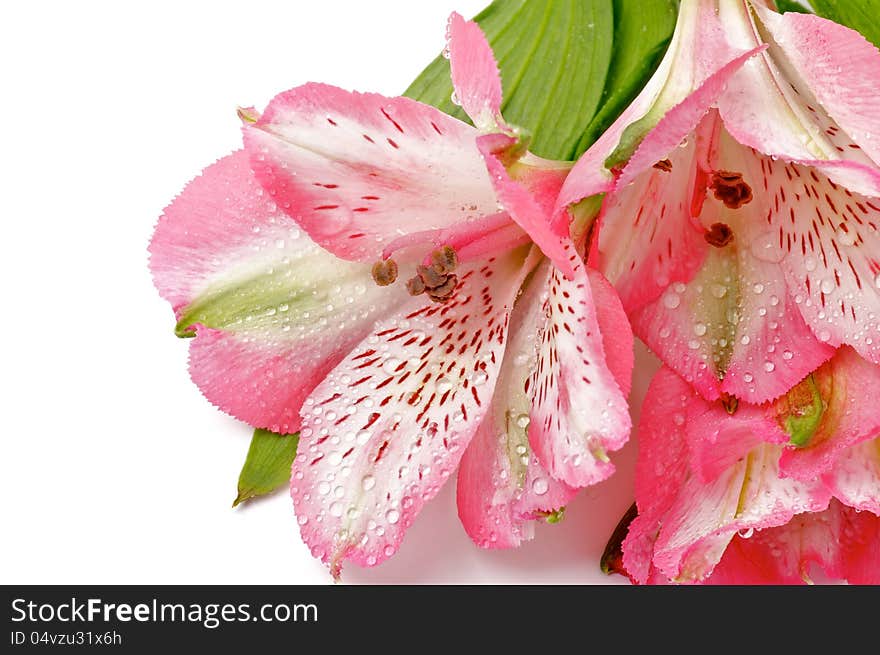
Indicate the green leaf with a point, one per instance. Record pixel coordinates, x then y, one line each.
267 465
640 41
569 67
861 15
791 5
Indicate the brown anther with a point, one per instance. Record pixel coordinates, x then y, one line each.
415 286
443 292
664 165
430 276
444 260
719 235
729 403
612 559
384 272
731 189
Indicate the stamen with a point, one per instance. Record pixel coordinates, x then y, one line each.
730 403
415 286
430 276
731 189
384 272
444 260
444 292
719 235
664 165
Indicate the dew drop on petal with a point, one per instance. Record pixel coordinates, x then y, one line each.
540 486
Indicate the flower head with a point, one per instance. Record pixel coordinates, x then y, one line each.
756 495
740 217
386 279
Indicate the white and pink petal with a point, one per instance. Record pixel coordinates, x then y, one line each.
389 424
271 311
358 170
579 412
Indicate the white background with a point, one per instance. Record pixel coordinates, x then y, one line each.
114 469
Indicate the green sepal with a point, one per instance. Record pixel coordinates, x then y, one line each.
267 465
802 423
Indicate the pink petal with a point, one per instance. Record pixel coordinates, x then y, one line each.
359 170
718 440
817 89
693 72
845 544
646 239
681 120
825 239
388 425
502 487
617 340
855 479
579 413
847 419
475 75
222 234
661 468
685 523
531 211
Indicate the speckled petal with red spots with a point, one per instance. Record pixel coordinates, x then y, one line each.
579 412
501 485
818 89
388 425
358 170
271 311
646 239
824 238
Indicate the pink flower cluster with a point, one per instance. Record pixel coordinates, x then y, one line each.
418 296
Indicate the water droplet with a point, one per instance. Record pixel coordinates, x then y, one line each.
718 290
454 99
336 509
827 286
671 300
769 367
368 482
746 340
700 329
443 385
787 355
845 238
758 288
540 486
747 533
825 336
392 516
748 378
323 488
479 378
390 365
523 421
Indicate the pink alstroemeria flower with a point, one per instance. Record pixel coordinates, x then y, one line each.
756 496
501 350
740 216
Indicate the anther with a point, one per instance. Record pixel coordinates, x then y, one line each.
430 276
443 292
384 272
444 260
719 235
730 403
730 188
664 165
415 286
